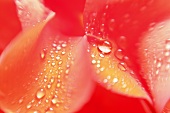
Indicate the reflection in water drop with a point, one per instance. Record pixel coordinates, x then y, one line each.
105 47
40 93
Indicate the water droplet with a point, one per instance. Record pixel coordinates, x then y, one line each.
29 106
101 55
40 93
58 85
122 42
54 100
167 44
54 45
105 47
93 61
122 66
105 81
115 80
50 110
21 100
111 24
53 63
42 54
67 71
119 54
58 47
57 57
64 45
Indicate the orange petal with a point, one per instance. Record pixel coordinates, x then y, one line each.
113 73
105 21
154 54
45 72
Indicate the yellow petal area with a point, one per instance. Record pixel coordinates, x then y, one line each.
44 72
112 73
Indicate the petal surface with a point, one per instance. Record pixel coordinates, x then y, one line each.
154 54
45 71
108 21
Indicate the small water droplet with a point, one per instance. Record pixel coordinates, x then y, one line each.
122 66
54 100
111 24
53 63
93 61
105 81
57 57
58 85
101 55
42 54
29 106
105 47
50 110
58 47
67 71
54 45
64 45
115 80
119 54
40 93
167 47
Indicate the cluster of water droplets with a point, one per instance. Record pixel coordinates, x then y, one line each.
108 59
54 92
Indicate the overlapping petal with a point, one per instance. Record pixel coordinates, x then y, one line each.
41 74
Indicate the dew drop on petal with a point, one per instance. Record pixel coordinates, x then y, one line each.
119 54
105 47
40 93
50 110
42 54
115 80
122 66
167 44
111 24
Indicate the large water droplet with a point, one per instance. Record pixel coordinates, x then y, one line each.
105 47
40 93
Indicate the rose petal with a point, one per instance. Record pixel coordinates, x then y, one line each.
9 23
45 72
154 54
107 21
